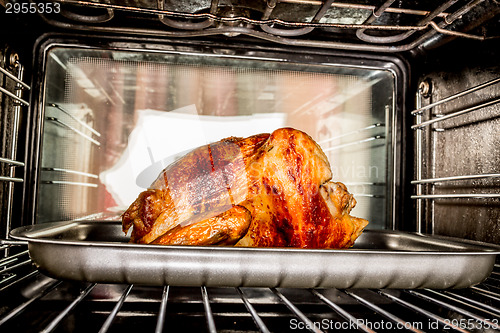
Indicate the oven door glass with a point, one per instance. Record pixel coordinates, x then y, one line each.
114 119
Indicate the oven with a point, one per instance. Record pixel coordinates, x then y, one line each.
403 97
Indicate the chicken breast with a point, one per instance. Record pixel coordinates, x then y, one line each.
269 190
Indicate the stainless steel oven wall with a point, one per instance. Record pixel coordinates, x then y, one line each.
457 140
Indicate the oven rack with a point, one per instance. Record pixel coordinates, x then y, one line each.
437 183
84 127
12 163
351 140
17 97
421 125
66 120
106 307
81 123
15 260
13 89
200 22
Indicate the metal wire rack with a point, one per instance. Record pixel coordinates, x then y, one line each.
49 305
17 97
13 101
282 21
425 186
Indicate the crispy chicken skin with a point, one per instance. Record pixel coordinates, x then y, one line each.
203 184
224 229
269 190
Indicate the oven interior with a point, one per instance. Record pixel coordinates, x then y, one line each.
97 97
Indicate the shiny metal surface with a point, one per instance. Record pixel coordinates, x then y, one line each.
13 96
97 251
456 132
278 21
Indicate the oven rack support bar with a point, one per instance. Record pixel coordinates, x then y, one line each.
382 312
457 95
63 182
160 323
455 114
468 301
455 178
17 265
19 99
20 308
372 138
11 179
16 79
54 323
367 195
457 309
418 309
486 293
309 324
16 120
419 165
14 164
7 279
63 124
11 242
11 162
4 261
256 318
54 105
208 310
352 132
342 312
80 173
107 324
363 184
494 289
457 196
18 280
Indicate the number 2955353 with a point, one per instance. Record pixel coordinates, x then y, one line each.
33 8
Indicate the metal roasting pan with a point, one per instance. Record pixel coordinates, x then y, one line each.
98 251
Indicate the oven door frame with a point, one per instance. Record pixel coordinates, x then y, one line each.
399 211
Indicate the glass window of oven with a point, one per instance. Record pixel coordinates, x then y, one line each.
114 119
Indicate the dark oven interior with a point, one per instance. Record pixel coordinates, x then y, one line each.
402 95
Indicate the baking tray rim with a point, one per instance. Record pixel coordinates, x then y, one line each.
31 234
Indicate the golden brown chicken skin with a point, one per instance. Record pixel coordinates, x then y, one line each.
205 183
224 229
269 190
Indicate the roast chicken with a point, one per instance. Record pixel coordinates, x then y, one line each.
267 190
